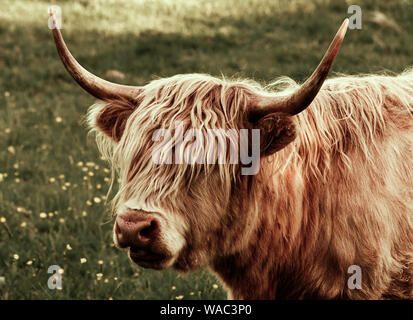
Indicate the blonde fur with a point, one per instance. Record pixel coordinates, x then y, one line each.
340 194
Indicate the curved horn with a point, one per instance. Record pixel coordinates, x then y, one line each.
303 96
96 86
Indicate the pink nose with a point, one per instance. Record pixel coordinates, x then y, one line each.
133 230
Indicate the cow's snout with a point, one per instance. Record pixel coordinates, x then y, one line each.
134 230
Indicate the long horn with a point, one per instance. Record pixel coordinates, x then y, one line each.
303 96
96 86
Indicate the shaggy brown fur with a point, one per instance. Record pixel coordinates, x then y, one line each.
335 186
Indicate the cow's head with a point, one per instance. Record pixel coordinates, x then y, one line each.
186 214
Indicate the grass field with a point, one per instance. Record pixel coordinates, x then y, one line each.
52 181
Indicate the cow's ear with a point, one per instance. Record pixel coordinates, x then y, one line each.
277 130
112 117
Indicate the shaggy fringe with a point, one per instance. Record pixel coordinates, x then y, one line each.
198 101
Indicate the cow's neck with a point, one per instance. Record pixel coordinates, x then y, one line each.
268 267
248 273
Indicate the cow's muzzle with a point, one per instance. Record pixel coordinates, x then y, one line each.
141 235
134 230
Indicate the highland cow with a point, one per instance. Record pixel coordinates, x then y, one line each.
334 187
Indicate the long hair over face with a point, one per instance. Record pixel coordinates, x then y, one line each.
197 102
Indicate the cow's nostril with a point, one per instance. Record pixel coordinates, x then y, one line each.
135 230
149 231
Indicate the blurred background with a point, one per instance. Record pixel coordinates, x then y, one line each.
53 183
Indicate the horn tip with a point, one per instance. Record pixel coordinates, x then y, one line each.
53 17
344 26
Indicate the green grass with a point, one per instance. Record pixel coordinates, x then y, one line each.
144 40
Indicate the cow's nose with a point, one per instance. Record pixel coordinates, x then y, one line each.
133 230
